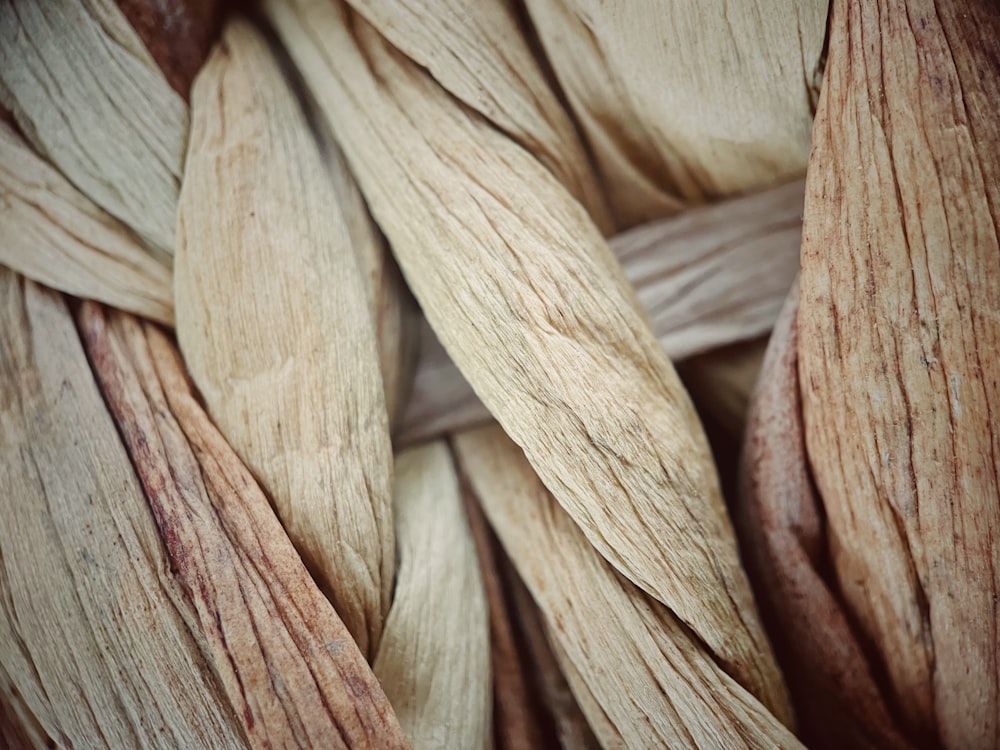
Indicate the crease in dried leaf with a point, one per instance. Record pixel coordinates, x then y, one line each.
434 659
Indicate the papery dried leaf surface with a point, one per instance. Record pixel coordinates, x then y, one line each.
688 101
570 723
274 322
396 316
434 659
478 51
87 93
708 277
96 634
833 686
649 674
291 670
898 348
517 716
530 303
56 235
607 735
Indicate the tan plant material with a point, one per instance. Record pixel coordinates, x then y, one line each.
529 302
397 317
607 735
177 33
478 52
434 659
275 326
442 400
649 674
290 668
688 101
54 234
571 726
89 96
898 336
709 277
95 632
395 312
837 699
516 719
716 274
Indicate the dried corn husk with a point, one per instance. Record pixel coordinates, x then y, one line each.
837 699
525 296
606 734
275 326
897 336
290 668
533 705
571 727
516 719
88 95
397 319
56 235
708 277
477 51
18 726
95 632
434 660
648 673
686 101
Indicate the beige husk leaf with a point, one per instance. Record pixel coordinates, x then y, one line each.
649 673
708 277
274 322
477 51
837 699
96 635
898 343
686 101
526 297
88 95
711 276
533 704
571 725
54 234
397 318
19 728
291 670
434 659
605 733
516 715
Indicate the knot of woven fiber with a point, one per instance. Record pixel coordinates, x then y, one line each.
359 363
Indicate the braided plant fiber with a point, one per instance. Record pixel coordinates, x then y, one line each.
516 374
